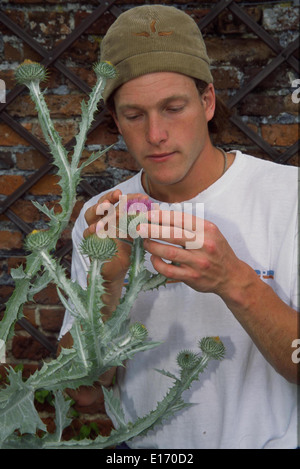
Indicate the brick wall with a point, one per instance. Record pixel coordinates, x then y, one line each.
237 56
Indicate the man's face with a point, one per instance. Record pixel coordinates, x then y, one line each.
163 121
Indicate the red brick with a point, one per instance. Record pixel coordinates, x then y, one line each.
29 313
30 160
100 26
227 23
13 52
76 210
8 77
235 51
67 129
101 136
48 296
54 79
10 240
59 106
226 78
14 262
6 160
44 407
8 137
48 421
26 347
22 107
9 183
85 74
232 135
30 54
65 105
16 16
122 159
5 292
259 104
280 134
46 185
97 166
83 51
51 319
25 210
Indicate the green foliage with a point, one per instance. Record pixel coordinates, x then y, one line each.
97 345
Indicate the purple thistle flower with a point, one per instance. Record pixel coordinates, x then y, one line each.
135 206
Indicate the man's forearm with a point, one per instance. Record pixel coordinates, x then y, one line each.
270 322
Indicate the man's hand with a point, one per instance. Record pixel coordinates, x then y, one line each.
118 266
105 216
101 218
201 257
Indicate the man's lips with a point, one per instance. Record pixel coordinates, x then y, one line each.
160 156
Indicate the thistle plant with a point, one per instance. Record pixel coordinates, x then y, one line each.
98 345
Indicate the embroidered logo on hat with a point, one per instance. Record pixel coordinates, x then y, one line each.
153 31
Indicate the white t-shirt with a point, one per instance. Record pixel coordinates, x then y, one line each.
240 402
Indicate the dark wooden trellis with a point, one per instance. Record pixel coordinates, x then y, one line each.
52 58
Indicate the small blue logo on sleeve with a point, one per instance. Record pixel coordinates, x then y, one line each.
265 274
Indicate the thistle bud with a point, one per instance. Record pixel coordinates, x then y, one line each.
187 359
29 72
105 70
213 347
98 248
37 240
138 331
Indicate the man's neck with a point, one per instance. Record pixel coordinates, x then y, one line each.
202 175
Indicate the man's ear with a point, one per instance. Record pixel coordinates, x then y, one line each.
209 101
115 118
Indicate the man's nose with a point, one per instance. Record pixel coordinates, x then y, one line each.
156 133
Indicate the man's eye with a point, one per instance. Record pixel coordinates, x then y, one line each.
132 117
175 108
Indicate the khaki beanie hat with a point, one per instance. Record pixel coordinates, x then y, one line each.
154 38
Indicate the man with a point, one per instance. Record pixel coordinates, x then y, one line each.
241 284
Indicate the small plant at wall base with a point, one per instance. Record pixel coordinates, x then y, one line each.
97 345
